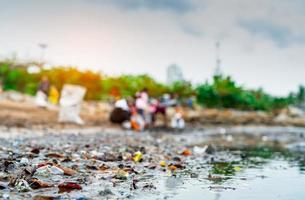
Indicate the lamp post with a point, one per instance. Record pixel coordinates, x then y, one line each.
218 60
43 48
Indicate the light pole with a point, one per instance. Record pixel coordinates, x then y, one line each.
43 48
218 60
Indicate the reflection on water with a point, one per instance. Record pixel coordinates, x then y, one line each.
173 183
276 180
250 173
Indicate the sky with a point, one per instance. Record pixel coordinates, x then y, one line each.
262 42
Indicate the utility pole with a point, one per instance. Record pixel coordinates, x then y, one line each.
43 48
218 71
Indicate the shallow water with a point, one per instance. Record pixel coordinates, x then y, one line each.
275 180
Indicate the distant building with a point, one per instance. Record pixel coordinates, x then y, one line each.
174 74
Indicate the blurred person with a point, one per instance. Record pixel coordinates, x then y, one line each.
177 121
44 85
137 122
190 102
43 92
53 95
142 103
158 107
121 112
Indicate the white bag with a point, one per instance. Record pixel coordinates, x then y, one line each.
41 99
70 103
178 122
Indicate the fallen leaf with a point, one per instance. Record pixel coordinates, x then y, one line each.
55 155
68 187
67 171
42 197
37 184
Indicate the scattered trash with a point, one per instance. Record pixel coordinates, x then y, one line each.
200 150
22 186
6 196
106 192
162 163
37 184
68 187
67 171
24 161
70 102
43 197
122 164
121 174
186 152
229 138
137 157
3 186
194 175
48 170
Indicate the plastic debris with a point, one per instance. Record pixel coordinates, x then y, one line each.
48 171
24 161
162 163
200 150
137 157
186 152
70 103
22 186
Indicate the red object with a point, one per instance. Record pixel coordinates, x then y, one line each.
186 152
69 186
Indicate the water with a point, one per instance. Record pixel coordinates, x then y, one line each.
262 165
275 180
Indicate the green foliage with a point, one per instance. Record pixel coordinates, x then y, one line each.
224 93
128 85
59 76
301 94
182 89
15 77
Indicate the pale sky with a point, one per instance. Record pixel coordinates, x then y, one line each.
262 41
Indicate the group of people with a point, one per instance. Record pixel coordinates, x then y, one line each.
141 111
46 93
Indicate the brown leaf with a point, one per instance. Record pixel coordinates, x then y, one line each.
42 197
68 187
67 171
35 150
55 155
37 184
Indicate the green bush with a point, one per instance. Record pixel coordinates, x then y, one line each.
224 93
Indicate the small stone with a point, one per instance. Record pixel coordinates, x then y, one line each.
24 161
194 175
106 192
